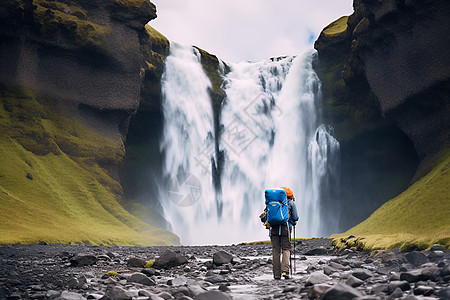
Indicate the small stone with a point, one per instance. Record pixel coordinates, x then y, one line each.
117 293
216 295
222 257
83 259
362 274
29 176
423 290
416 258
224 288
43 243
327 270
444 293
436 255
179 281
354 282
142 279
70 296
136 262
318 290
316 278
393 285
317 251
436 247
412 276
169 259
397 293
165 295
150 272
342 292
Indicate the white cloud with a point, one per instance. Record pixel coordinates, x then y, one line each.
237 30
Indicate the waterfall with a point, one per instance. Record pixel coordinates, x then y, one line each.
187 143
270 136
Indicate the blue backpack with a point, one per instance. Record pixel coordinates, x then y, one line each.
276 206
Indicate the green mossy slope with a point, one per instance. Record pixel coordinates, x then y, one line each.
414 220
54 180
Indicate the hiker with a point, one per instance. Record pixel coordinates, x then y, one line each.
280 233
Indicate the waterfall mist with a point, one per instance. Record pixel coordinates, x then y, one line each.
270 136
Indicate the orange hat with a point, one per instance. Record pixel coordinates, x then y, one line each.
288 191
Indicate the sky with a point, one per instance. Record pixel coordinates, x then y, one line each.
247 30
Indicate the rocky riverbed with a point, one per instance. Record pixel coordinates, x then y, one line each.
54 271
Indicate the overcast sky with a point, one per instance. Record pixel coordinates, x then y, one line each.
237 30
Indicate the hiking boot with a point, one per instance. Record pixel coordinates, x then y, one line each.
286 276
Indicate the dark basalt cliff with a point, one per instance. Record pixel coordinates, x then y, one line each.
85 52
73 74
386 79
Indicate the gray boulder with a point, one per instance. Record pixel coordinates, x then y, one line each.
169 259
316 278
416 258
222 257
318 290
402 285
136 262
117 293
341 292
362 274
142 279
70 296
216 295
83 259
354 282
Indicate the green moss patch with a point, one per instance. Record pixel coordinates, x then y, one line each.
52 185
336 28
414 220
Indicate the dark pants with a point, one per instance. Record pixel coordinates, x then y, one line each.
281 244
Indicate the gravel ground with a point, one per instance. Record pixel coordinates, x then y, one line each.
56 271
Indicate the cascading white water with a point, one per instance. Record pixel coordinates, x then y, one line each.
186 142
270 137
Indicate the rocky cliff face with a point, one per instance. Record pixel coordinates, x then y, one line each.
70 83
85 52
386 75
397 51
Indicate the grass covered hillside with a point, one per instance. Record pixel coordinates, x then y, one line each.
56 184
415 220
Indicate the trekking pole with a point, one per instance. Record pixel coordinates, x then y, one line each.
295 268
290 255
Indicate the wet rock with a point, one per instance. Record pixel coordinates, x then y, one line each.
150 272
222 257
83 259
362 274
179 281
318 290
423 290
354 282
416 258
436 247
136 262
435 255
70 296
117 293
412 276
397 293
142 279
169 259
341 292
216 295
316 278
444 294
402 285
317 251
